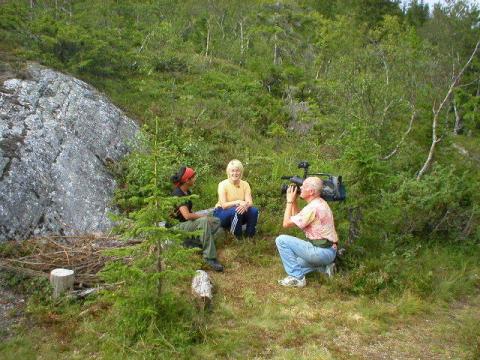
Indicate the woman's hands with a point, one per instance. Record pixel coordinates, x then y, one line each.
242 207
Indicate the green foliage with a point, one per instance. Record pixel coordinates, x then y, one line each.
446 213
18 348
363 156
428 271
272 83
13 249
38 288
468 108
148 305
417 13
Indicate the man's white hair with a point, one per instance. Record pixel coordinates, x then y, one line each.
314 183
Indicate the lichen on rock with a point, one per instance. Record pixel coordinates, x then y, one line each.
58 136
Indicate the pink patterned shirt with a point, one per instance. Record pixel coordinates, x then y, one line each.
316 221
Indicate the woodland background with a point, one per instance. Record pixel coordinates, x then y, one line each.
366 89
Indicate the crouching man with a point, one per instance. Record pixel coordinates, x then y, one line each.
317 253
183 181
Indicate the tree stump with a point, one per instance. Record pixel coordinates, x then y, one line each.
61 280
202 289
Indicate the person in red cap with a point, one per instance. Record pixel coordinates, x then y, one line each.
184 180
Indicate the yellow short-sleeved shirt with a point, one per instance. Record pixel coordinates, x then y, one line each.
233 192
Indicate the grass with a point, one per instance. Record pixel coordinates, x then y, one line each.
254 318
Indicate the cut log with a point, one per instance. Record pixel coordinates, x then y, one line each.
202 289
61 280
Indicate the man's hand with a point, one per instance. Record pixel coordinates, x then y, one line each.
291 208
292 193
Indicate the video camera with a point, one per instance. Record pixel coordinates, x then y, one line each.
333 188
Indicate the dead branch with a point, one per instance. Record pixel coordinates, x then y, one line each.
442 220
242 47
145 40
385 111
22 271
468 228
394 151
83 254
436 113
458 119
207 41
80 294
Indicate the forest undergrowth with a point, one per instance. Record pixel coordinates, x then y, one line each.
252 317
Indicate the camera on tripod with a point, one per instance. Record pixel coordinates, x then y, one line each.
333 187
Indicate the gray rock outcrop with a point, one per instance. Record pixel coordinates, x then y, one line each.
58 137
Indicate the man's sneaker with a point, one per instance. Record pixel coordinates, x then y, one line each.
293 281
330 270
214 264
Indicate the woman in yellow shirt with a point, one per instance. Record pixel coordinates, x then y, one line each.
235 205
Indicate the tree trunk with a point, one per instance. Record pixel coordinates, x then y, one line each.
354 218
394 151
208 39
275 50
241 38
159 267
458 120
220 25
159 242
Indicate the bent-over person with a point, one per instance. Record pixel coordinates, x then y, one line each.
317 252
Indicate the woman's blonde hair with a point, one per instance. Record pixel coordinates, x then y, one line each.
235 164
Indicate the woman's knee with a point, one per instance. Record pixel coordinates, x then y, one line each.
253 211
203 219
223 216
202 222
214 220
